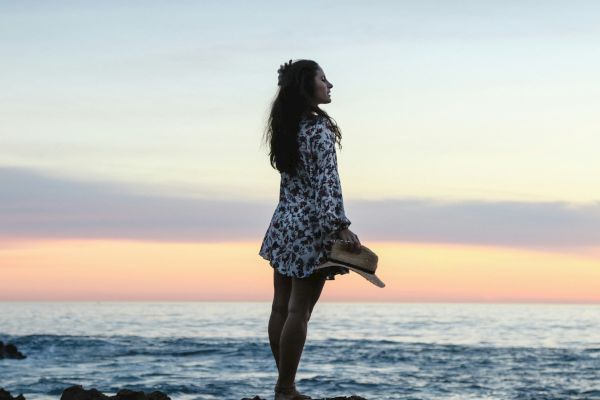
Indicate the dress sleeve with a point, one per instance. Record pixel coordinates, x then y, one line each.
326 181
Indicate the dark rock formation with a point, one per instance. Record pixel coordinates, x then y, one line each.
4 395
10 351
345 398
77 392
327 398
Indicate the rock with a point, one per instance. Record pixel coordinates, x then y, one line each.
77 392
10 351
156 395
326 398
126 394
345 398
5 395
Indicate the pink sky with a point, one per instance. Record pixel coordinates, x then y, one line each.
142 270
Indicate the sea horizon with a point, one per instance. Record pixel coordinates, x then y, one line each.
516 302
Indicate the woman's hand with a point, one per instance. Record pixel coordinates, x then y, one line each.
351 239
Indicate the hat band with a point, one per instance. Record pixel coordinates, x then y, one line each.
353 265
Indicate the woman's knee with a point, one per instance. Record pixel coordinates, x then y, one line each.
300 306
279 308
301 311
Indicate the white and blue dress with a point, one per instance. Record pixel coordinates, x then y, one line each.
310 212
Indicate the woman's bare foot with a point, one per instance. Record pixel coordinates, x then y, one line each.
289 393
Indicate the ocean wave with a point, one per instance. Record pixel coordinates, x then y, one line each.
230 368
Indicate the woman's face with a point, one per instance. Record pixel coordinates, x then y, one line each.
322 88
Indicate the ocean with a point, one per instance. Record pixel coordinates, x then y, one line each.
210 350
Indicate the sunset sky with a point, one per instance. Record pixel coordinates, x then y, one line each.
131 164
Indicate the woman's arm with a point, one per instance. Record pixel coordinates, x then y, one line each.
326 181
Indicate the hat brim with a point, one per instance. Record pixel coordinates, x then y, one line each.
370 277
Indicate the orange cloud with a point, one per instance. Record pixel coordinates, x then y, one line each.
135 270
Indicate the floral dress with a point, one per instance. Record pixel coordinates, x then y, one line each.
310 212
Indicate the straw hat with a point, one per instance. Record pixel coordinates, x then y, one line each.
363 263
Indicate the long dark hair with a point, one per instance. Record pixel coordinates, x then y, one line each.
293 101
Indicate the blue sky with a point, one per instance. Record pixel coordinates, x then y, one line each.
462 101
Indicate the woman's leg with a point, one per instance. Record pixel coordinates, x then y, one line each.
281 295
304 295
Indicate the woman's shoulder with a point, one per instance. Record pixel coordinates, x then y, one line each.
317 134
314 124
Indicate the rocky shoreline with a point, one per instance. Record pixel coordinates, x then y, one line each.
77 392
326 398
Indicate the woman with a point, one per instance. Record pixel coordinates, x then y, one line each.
310 214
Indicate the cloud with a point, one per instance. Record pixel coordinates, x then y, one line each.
35 205
42 206
504 223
